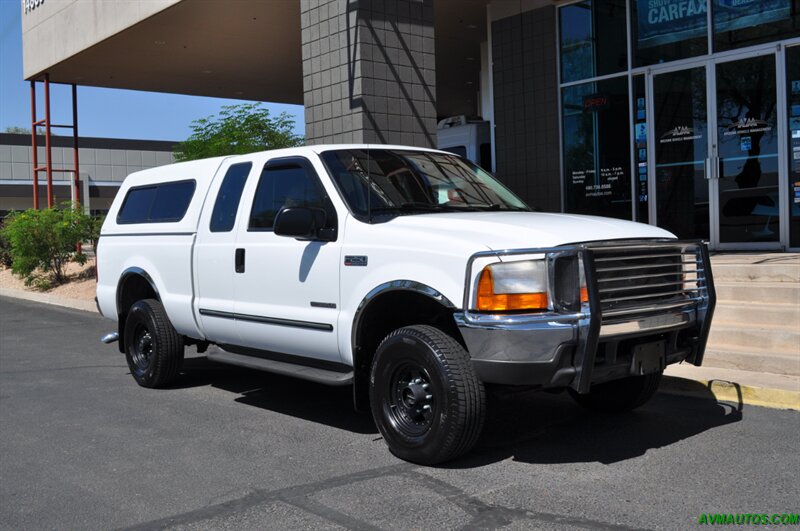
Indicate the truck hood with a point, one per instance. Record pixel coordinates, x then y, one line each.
509 230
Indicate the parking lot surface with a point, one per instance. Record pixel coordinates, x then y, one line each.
83 447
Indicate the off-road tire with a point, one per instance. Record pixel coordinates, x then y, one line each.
153 349
620 395
456 397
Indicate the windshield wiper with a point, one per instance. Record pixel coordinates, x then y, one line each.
497 206
409 206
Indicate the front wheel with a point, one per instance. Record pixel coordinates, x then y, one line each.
426 400
153 349
620 395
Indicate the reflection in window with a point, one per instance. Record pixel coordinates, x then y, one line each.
666 30
747 22
596 148
748 150
681 148
593 37
793 95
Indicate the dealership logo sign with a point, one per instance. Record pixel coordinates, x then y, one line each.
679 134
747 126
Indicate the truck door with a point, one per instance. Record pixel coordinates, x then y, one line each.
215 254
287 291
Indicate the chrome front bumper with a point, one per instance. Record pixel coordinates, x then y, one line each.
558 349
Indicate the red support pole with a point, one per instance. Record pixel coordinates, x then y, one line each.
35 150
77 174
48 150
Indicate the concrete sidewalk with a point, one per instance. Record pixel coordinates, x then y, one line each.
764 389
743 387
77 304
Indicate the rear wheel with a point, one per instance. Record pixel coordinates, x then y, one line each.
153 349
425 398
620 395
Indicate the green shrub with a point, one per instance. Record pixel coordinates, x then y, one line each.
43 242
5 249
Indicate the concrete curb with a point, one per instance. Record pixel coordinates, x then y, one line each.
75 304
725 391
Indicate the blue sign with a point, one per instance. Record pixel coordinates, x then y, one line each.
745 143
666 21
641 132
737 14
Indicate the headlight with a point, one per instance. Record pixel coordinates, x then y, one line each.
510 286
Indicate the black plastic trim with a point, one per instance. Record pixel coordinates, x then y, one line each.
308 325
111 235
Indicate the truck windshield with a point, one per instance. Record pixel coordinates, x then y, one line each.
414 182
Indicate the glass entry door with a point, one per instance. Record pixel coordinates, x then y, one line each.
746 157
679 144
714 145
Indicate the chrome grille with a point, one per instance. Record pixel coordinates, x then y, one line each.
639 279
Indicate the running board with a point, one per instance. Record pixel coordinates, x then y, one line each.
313 374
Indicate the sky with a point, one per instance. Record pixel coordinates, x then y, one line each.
111 113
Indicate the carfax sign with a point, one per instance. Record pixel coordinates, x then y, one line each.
665 21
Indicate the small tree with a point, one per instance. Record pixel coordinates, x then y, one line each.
17 130
238 129
5 248
45 241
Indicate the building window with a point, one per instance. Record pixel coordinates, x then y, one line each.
793 94
593 36
747 22
640 149
667 30
596 142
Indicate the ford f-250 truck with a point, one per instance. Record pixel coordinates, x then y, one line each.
411 274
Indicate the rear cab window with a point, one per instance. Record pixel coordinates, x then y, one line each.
223 217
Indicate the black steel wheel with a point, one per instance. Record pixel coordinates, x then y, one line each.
620 395
153 349
425 398
411 400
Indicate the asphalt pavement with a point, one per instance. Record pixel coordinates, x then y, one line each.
83 447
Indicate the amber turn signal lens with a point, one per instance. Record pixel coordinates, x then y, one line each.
584 294
489 301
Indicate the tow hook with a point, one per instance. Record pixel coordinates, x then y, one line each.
110 338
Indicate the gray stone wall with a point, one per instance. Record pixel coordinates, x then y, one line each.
526 106
368 71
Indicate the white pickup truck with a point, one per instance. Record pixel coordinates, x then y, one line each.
410 274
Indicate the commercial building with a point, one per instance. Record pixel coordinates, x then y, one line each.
680 113
104 163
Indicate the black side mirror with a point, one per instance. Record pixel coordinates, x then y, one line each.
299 222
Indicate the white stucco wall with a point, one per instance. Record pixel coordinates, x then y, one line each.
57 29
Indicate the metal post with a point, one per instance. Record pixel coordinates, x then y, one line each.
47 145
77 174
35 150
